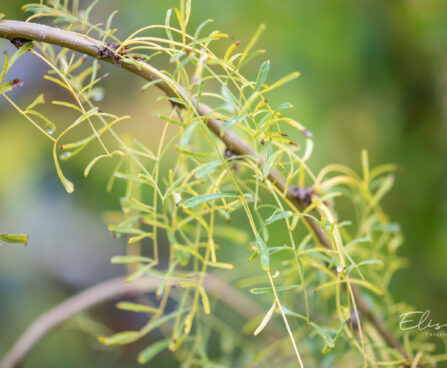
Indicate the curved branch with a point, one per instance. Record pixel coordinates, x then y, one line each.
115 289
32 31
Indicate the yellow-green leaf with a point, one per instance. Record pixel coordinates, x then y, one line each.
20 238
121 338
266 319
151 351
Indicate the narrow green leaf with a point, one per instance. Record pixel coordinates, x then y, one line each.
329 342
266 290
195 154
5 67
278 216
233 121
69 19
109 24
199 28
58 82
20 238
230 104
284 106
50 127
134 307
205 300
391 227
177 56
207 169
358 241
151 83
264 254
281 249
262 75
151 351
186 137
282 81
121 338
194 201
269 163
27 46
130 259
67 104
158 322
171 120
141 271
319 255
96 159
168 274
252 42
68 185
167 24
89 9
38 101
367 262
265 320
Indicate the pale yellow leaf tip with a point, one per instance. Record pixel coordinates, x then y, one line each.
69 186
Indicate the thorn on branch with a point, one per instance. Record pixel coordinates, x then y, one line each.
19 42
113 51
302 193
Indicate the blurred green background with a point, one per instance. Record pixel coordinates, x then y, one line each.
373 76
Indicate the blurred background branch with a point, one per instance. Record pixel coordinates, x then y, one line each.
117 289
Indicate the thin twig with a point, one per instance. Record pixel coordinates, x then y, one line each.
10 29
115 289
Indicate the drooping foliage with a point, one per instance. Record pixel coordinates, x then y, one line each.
192 195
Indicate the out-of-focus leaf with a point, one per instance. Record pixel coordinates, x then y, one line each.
96 159
121 338
282 81
20 238
208 168
264 254
130 259
265 320
252 42
151 351
186 137
27 46
233 121
262 75
38 101
134 307
266 290
195 201
269 163
367 262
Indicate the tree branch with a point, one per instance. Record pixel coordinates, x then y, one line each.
115 289
32 31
